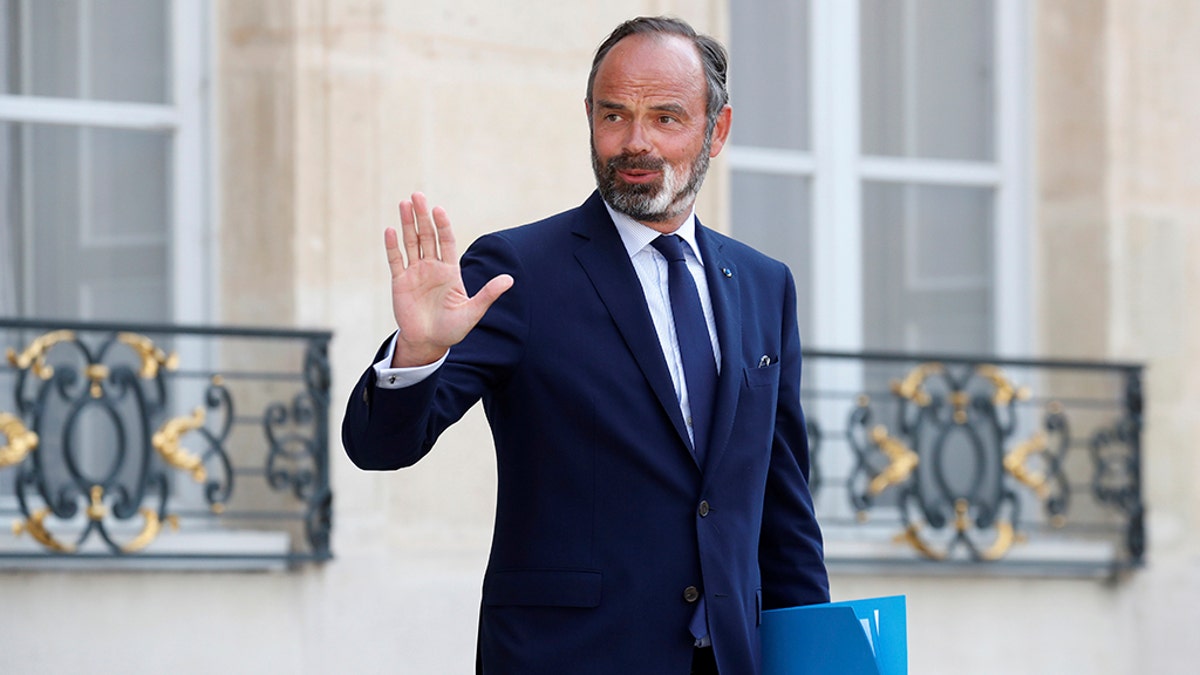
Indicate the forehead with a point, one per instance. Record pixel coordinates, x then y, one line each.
651 67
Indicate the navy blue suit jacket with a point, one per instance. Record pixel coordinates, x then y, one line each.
598 528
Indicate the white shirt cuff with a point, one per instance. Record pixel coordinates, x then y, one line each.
387 377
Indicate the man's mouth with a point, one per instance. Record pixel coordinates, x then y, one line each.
638 176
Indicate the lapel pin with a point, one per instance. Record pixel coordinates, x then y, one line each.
727 272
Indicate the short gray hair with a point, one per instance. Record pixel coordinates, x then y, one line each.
712 55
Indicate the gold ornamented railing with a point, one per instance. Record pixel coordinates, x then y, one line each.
968 463
104 427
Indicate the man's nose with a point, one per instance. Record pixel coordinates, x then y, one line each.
637 141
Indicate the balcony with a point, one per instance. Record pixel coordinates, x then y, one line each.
154 446
931 463
173 446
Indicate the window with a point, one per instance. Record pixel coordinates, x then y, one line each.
103 160
878 149
104 188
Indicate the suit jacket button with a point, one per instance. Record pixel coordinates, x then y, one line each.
691 594
703 510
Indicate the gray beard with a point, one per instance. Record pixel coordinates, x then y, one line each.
655 202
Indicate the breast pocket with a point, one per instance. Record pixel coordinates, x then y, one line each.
766 376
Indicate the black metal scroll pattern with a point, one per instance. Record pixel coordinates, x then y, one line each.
1116 456
297 435
215 468
948 463
815 438
89 396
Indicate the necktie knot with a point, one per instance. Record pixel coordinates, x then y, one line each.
670 245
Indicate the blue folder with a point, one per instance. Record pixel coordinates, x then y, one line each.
859 637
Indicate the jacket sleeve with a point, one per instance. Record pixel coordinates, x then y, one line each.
386 429
791 553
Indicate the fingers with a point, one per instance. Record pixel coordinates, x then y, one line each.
392 246
445 235
489 293
408 228
426 233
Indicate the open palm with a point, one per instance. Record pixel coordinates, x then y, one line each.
430 303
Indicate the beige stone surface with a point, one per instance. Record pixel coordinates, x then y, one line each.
1119 225
1071 194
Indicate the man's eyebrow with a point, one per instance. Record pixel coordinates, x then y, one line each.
669 107
602 103
662 107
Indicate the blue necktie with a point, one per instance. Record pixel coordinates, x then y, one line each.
699 366
695 345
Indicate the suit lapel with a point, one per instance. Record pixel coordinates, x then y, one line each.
723 287
606 262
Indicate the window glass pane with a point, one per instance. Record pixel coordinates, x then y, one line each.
928 78
113 50
927 268
90 215
769 53
771 213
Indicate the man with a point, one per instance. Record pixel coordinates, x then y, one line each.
643 394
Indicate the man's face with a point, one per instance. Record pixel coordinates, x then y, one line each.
650 149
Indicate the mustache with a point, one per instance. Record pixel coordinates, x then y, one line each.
625 162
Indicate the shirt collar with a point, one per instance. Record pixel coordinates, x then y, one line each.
636 236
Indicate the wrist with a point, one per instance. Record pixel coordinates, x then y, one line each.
412 355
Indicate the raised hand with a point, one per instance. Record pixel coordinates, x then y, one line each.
429 300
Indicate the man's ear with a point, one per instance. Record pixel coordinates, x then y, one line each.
720 132
587 108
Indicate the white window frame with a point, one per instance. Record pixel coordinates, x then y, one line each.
837 169
187 120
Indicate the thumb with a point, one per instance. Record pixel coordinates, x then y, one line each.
489 293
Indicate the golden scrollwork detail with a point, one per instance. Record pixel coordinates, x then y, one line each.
902 460
1014 463
21 441
96 373
911 389
152 356
36 528
166 442
960 400
912 536
1006 536
96 510
151 528
1006 391
34 356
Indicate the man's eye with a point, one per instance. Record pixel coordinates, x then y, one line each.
666 119
612 117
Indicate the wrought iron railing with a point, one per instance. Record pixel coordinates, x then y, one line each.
937 462
110 433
